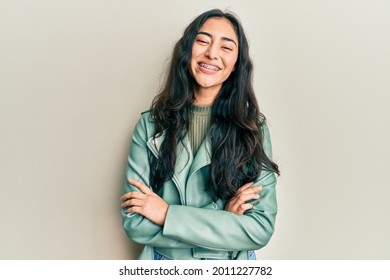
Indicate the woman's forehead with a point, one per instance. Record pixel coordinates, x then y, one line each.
220 27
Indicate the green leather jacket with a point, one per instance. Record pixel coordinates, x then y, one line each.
196 227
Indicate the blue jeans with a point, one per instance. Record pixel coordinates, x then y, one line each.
157 256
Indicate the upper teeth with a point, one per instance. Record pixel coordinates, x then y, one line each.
210 67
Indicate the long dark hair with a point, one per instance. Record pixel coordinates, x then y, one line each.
237 154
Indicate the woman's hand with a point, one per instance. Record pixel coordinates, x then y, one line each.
237 203
147 203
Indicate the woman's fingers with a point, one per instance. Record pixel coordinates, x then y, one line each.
145 202
248 188
256 189
135 209
132 199
247 192
244 187
243 207
238 207
132 202
242 198
135 195
131 195
142 187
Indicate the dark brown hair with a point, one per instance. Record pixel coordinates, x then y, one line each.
237 154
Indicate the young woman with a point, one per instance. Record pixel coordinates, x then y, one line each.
201 156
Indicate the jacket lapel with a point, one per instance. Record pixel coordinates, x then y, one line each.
202 157
183 161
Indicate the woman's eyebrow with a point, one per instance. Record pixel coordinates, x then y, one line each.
211 36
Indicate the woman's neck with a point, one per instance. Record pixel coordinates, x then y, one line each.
205 97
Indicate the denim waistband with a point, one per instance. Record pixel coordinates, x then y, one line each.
158 256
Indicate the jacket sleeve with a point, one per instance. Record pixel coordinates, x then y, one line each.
223 230
136 226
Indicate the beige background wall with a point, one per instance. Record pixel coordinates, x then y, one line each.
75 75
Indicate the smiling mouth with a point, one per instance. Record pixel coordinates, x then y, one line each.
209 67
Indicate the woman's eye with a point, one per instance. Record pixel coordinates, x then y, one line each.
227 48
202 41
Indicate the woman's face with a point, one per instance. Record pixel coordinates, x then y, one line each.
214 55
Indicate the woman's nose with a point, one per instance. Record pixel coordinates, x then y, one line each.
212 52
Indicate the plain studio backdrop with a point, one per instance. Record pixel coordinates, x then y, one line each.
75 76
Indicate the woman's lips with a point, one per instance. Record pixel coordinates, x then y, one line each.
208 68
